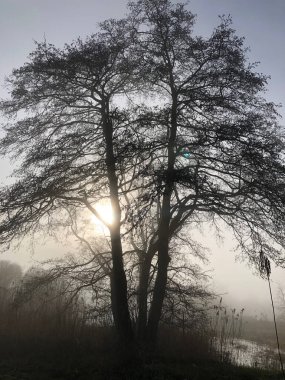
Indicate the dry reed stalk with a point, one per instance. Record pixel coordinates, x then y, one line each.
265 269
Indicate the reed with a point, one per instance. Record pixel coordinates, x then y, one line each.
226 328
265 269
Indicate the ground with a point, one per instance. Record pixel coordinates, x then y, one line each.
157 370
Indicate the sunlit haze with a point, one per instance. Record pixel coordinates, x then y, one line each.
106 214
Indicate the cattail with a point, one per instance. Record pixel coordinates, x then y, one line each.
265 269
264 264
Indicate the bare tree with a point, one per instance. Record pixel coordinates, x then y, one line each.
150 117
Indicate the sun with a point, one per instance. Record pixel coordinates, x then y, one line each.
105 211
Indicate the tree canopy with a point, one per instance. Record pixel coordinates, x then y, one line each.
170 127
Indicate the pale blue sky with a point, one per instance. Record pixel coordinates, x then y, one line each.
261 22
60 21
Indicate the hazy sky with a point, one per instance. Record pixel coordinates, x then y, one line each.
261 22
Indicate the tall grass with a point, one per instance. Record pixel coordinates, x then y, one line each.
226 328
49 328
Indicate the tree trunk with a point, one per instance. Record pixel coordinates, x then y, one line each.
119 301
161 277
142 299
119 294
163 232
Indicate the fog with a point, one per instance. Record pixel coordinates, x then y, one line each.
262 24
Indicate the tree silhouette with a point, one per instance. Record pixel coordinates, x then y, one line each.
108 118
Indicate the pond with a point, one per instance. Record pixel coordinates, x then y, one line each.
247 353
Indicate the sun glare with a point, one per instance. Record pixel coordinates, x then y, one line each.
106 213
